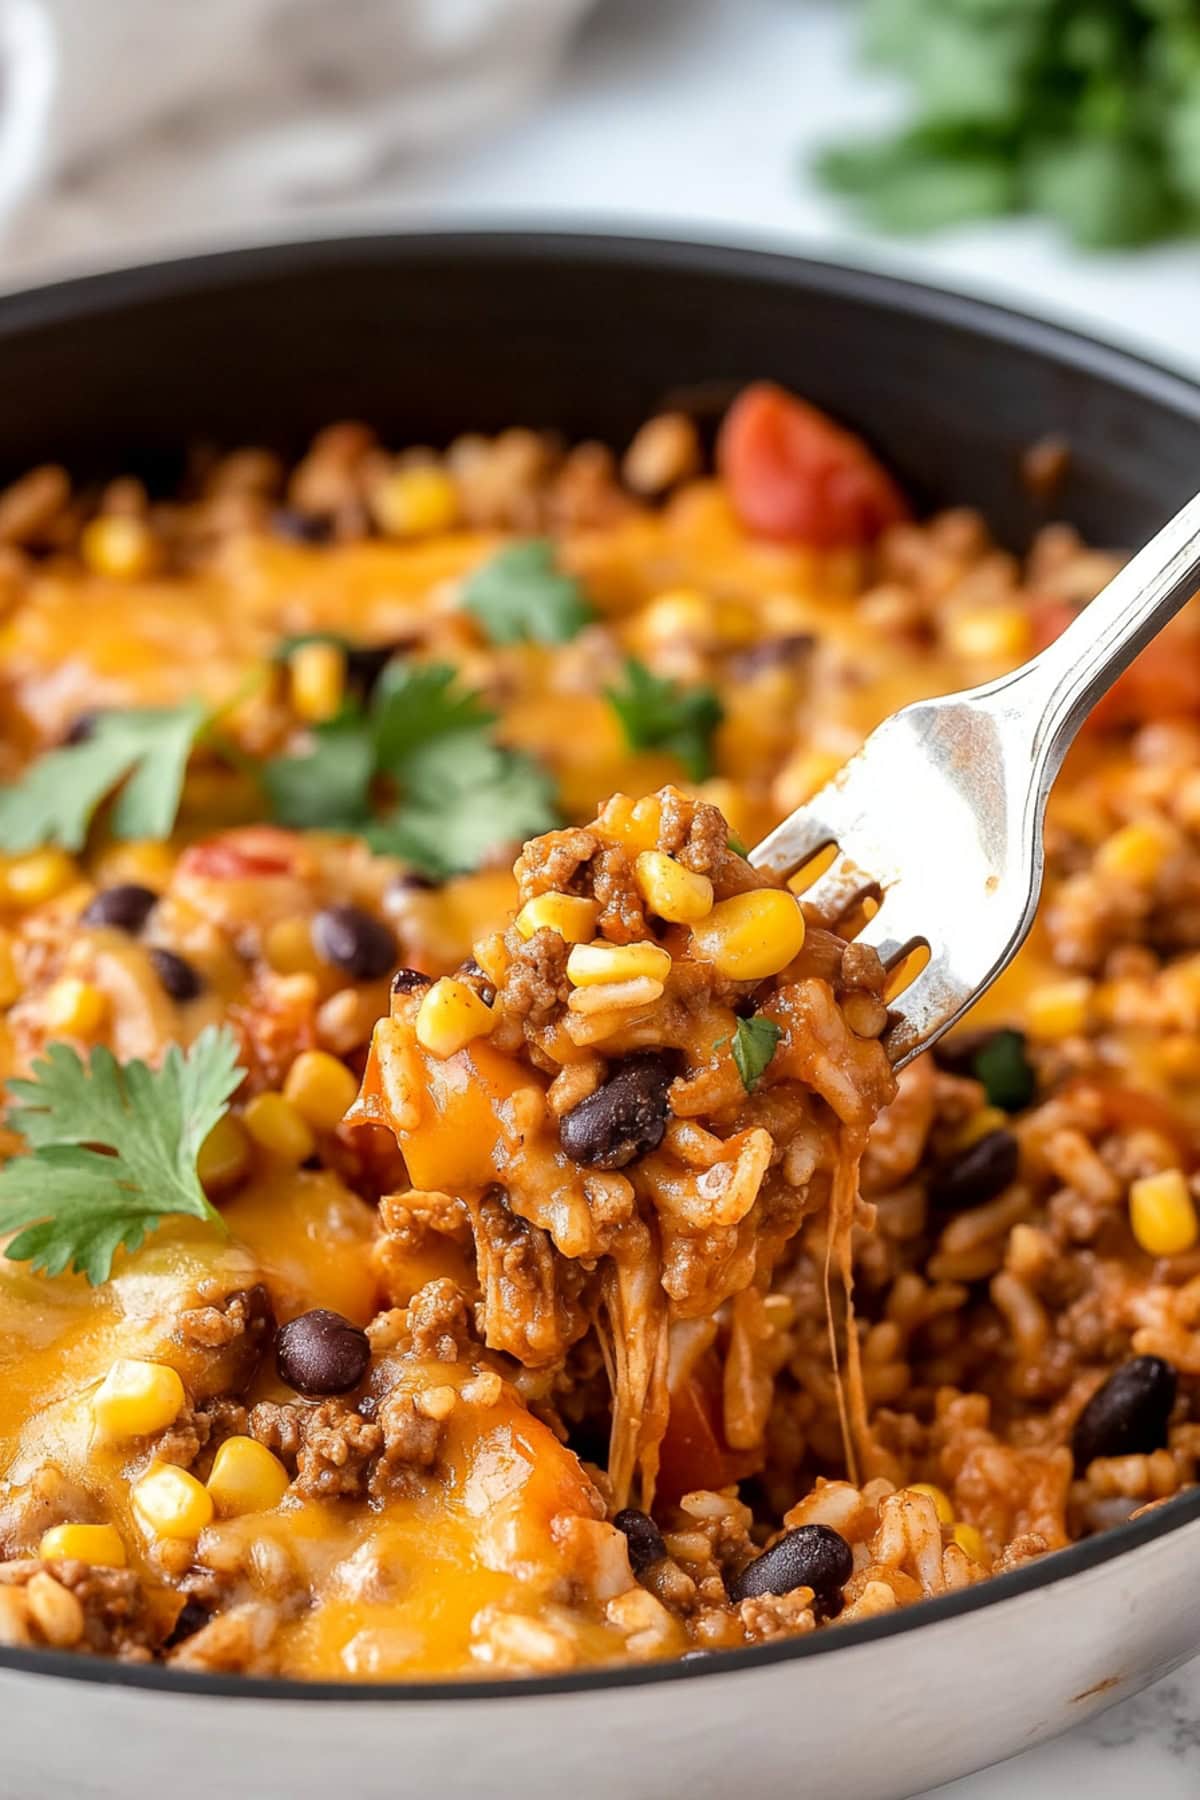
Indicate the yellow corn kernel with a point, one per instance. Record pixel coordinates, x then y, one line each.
451 1016
1162 1213
415 502
288 947
941 1500
988 1118
1137 852
968 1538
591 964
144 860
170 1503
991 633
676 894
680 615
1059 1009
75 1008
136 1398
634 823
120 546
317 681
99 1545
321 1088
246 1478
42 875
10 987
224 1156
751 935
278 1128
572 916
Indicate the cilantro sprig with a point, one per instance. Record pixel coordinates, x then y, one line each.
140 756
755 1042
521 596
112 1150
657 714
452 792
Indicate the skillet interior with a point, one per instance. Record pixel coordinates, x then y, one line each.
429 335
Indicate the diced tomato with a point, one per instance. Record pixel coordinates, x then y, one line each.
793 473
254 850
1163 680
694 1453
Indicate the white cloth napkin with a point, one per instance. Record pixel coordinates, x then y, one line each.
301 99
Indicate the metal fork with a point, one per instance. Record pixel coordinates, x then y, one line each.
940 814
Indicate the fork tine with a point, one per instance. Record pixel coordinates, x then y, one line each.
833 893
926 1008
793 843
886 933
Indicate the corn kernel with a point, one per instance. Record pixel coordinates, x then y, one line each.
991 633
136 1398
680 615
676 894
288 947
634 823
147 861
10 987
941 1500
278 1128
321 1088
42 875
1137 852
75 1008
1162 1213
969 1539
450 1016
590 964
415 502
120 546
317 681
99 1545
571 915
1059 1009
170 1503
987 1119
246 1478
751 935
224 1156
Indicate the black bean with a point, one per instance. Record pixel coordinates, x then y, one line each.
978 1173
624 1118
302 528
472 976
410 981
644 1539
126 907
178 977
410 883
82 726
192 1616
355 941
813 1556
772 653
1128 1416
321 1353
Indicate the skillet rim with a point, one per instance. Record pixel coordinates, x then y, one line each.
77 298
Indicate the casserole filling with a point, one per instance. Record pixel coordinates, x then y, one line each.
420 1265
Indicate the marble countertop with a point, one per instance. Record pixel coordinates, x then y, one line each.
691 117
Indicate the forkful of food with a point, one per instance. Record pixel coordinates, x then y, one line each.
937 821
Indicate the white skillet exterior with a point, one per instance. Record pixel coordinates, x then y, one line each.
865 1720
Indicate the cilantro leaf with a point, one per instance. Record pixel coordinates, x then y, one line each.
416 703
143 752
1003 1067
113 1148
656 714
328 787
520 596
754 1044
463 796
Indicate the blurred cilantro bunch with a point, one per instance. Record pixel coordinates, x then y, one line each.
1087 111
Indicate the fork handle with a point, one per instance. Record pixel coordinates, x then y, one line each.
1064 682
